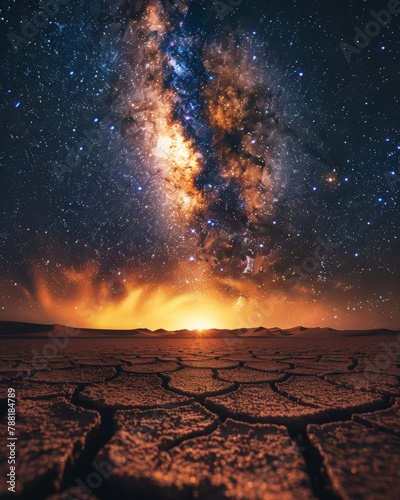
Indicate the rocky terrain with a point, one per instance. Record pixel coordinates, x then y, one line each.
216 418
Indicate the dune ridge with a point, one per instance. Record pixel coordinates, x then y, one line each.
14 329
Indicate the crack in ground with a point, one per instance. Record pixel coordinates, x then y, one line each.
289 396
321 484
320 481
342 414
376 427
195 434
353 364
3 410
363 390
327 415
76 474
118 372
284 378
199 398
291 365
79 468
373 427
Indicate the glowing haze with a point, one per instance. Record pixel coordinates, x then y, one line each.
200 123
88 300
210 165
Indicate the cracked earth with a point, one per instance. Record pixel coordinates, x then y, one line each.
203 418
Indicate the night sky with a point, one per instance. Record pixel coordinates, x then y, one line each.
200 165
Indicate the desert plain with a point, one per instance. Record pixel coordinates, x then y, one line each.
250 414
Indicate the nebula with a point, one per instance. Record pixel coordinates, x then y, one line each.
203 122
203 180
203 133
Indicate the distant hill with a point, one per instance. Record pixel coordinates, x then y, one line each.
12 329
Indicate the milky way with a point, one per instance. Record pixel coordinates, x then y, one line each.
202 121
175 167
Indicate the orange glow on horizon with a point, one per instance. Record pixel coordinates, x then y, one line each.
112 305
84 299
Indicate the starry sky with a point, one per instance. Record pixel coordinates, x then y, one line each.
201 164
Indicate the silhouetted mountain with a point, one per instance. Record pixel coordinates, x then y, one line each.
10 328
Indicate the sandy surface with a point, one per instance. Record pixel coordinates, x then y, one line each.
241 418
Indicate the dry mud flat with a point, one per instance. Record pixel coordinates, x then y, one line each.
244 419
